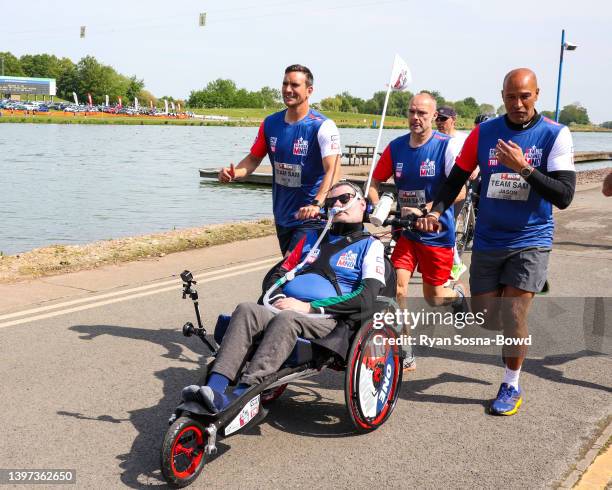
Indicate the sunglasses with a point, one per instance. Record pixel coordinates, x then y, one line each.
343 198
441 118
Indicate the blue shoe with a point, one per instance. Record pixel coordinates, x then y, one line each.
507 402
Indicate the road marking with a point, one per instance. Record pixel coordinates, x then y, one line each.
202 278
131 290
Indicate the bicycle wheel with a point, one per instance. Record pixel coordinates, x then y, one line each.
182 455
373 377
462 227
469 236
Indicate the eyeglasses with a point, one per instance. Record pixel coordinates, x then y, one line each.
441 118
343 198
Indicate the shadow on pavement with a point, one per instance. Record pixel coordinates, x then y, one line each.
543 368
141 465
413 390
302 410
584 245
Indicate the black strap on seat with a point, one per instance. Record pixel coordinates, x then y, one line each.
321 265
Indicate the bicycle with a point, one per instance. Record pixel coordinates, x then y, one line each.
465 222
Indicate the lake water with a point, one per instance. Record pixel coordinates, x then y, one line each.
73 184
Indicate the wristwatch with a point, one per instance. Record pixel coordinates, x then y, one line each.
316 203
526 171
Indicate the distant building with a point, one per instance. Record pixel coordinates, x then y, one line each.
16 87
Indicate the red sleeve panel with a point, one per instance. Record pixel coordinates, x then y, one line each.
384 167
259 148
468 156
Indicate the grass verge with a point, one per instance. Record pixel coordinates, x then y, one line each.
59 259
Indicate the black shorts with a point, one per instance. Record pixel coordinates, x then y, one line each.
522 268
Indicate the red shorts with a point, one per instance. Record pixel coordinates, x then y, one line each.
434 263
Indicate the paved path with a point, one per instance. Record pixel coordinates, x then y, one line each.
92 364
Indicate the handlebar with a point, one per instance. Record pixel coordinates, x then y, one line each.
395 220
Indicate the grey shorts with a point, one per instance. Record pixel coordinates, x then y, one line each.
523 268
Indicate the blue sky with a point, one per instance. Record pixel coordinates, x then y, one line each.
458 47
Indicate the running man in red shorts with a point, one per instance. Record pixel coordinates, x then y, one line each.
419 162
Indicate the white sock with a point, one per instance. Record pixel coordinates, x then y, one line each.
512 377
456 259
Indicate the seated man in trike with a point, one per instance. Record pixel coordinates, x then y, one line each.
337 280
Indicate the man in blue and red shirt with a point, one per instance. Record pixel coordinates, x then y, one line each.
419 162
527 166
304 147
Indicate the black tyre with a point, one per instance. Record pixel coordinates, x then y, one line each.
373 377
464 227
183 456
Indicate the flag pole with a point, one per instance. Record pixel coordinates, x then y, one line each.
375 156
380 129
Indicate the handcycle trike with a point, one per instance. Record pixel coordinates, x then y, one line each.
371 360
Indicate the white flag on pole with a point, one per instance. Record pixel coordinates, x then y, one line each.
166 105
400 78
76 100
136 103
106 100
400 75
172 105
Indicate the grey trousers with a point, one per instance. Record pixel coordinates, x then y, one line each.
278 333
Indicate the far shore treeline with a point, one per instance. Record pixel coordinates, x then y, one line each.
88 75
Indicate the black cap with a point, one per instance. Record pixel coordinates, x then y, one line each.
446 111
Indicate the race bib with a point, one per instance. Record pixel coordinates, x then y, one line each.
412 199
511 187
287 174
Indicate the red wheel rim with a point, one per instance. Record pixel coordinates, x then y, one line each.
187 451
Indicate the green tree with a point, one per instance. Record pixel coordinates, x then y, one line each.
218 93
68 82
44 65
98 80
12 65
607 125
145 97
331 104
134 86
467 108
486 109
574 113
270 97
398 103
501 110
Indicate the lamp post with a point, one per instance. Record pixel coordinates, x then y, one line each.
564 46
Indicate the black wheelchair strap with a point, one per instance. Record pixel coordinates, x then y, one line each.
321 265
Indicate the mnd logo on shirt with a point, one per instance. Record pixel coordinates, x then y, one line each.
347 260
533 156
398 169
428 168
492 157
335 145
273 144
312 256
300 147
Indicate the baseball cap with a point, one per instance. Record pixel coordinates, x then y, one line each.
446 111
